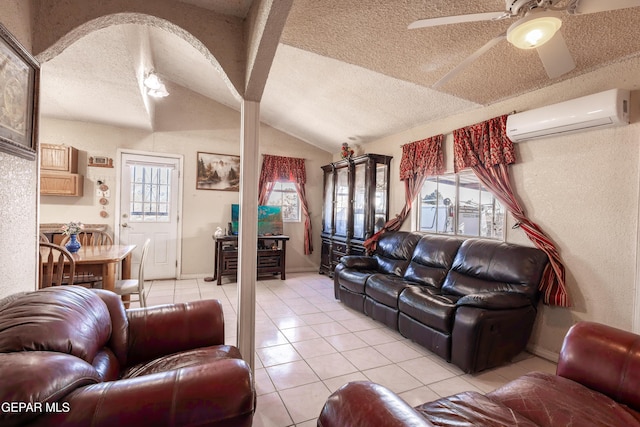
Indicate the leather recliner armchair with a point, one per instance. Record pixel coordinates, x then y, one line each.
71 356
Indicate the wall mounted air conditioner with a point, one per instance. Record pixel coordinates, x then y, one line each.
597 111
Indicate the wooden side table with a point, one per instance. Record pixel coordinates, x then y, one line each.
271 257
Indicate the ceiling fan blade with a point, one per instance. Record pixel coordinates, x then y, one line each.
580 7
468 60
445 20
556 57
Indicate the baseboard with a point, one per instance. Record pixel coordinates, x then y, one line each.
194 276
289 270
543 353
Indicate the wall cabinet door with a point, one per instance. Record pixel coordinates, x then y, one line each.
61 184
61 158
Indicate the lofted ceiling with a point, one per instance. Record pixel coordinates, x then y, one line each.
344 71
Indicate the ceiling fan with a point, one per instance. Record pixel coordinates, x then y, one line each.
537 28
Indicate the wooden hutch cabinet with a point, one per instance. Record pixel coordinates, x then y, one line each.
356 205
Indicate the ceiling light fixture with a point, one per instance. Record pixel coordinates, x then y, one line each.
534 30
154 85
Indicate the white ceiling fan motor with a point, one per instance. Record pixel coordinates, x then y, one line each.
516 7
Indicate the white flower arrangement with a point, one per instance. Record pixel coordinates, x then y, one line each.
72 228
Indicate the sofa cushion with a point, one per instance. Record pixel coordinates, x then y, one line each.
394 250
385 289
69 319
428 306
484 266
471 409
195 357
432 259
353 280
550 400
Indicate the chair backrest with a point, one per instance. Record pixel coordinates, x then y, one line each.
44 238
143 257
90 237
55 261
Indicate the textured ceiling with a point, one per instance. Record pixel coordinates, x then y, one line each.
345 70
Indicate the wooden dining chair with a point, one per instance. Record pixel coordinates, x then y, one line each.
53 259
43 238
135 286
89 237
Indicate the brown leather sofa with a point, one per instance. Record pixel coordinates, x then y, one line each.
473 302
70 356
597 383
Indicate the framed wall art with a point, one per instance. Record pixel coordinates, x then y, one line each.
19 80
218 172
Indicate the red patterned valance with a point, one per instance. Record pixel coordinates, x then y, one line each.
422 158
484 143
279 168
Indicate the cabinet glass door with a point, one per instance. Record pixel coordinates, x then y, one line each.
327 215
380 213
359 193
342 201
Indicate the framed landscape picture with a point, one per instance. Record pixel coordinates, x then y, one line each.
19 79
218 172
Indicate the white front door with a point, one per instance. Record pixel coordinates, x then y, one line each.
149 208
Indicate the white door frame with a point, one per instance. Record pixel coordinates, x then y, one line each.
120 152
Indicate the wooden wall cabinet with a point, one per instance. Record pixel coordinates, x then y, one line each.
356 205
61 184
60 158
58 171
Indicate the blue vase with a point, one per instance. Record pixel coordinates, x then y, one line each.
73 245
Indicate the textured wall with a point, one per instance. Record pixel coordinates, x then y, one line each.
18 187
582 189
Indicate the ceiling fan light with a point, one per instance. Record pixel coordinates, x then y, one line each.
534 30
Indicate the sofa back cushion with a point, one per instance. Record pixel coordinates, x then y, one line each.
604 359
64 319
489 266
394 250
432 259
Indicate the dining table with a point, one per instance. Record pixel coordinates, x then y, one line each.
103 260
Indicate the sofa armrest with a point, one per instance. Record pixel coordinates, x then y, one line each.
495 300
363 403
218 393
166 329
604 359
361 262
39 378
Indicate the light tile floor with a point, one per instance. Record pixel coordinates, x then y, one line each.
308 344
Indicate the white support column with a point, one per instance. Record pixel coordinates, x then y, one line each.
248 225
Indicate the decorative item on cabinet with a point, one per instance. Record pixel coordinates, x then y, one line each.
356 205
58 171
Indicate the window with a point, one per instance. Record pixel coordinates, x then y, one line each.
150 193
459 204
284 194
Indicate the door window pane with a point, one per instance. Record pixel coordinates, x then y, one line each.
150 193
342 201
359 201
